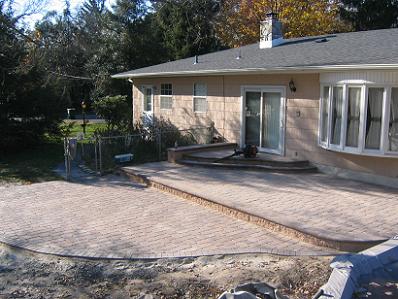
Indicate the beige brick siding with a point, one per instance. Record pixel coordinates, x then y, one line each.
224 109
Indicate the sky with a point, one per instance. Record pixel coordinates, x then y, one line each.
57 5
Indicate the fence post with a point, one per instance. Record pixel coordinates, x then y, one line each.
100 153
66 155
95 154
212 131
160 144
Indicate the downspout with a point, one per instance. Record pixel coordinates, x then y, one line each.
132 98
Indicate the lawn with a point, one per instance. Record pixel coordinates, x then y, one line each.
38 164
33 165
90 128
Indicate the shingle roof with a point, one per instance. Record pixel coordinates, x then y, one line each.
376 47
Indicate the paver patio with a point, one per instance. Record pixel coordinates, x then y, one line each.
317 204
115 218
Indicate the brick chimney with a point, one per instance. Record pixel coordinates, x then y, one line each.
270 32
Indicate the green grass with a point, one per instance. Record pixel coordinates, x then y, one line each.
34 165
90 128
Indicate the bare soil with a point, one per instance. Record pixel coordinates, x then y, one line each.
24 274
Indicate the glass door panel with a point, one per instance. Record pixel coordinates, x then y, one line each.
271 121
148 100
253 118
147 113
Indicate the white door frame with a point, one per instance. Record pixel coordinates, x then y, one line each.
147 114
262 89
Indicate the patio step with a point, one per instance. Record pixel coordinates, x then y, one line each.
301 235
249 161
251 164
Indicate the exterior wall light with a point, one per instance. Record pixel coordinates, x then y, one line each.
292 86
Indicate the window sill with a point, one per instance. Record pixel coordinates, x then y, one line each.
357 152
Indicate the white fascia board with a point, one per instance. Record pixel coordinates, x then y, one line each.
306 69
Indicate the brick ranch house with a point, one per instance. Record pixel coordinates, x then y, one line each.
330 99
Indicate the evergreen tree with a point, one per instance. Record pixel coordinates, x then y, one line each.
370 14
188 26
29 106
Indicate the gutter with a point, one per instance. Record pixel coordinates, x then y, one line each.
301 69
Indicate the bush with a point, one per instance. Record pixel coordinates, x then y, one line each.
148 144
116 112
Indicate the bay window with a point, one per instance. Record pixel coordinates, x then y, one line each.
359 119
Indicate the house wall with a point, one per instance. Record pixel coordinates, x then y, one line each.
224 109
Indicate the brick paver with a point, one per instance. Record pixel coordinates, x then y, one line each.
314 203
117 219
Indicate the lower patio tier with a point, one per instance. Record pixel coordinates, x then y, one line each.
316 205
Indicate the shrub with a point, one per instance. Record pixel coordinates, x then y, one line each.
116 112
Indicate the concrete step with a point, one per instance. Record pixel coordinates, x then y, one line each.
250 161
272 166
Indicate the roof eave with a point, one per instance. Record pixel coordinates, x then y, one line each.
300 69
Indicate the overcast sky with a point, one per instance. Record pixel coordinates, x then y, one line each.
57 5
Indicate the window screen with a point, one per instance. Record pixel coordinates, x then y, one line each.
166 96
199 97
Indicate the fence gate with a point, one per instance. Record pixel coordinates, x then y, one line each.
82 154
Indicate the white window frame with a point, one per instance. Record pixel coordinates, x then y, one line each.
365 115
322 103
351 149
387 122
166 96
200 97
263 89
360 150
337 147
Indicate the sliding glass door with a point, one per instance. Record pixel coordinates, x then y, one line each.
263 123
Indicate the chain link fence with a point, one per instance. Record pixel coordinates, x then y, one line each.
99 155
